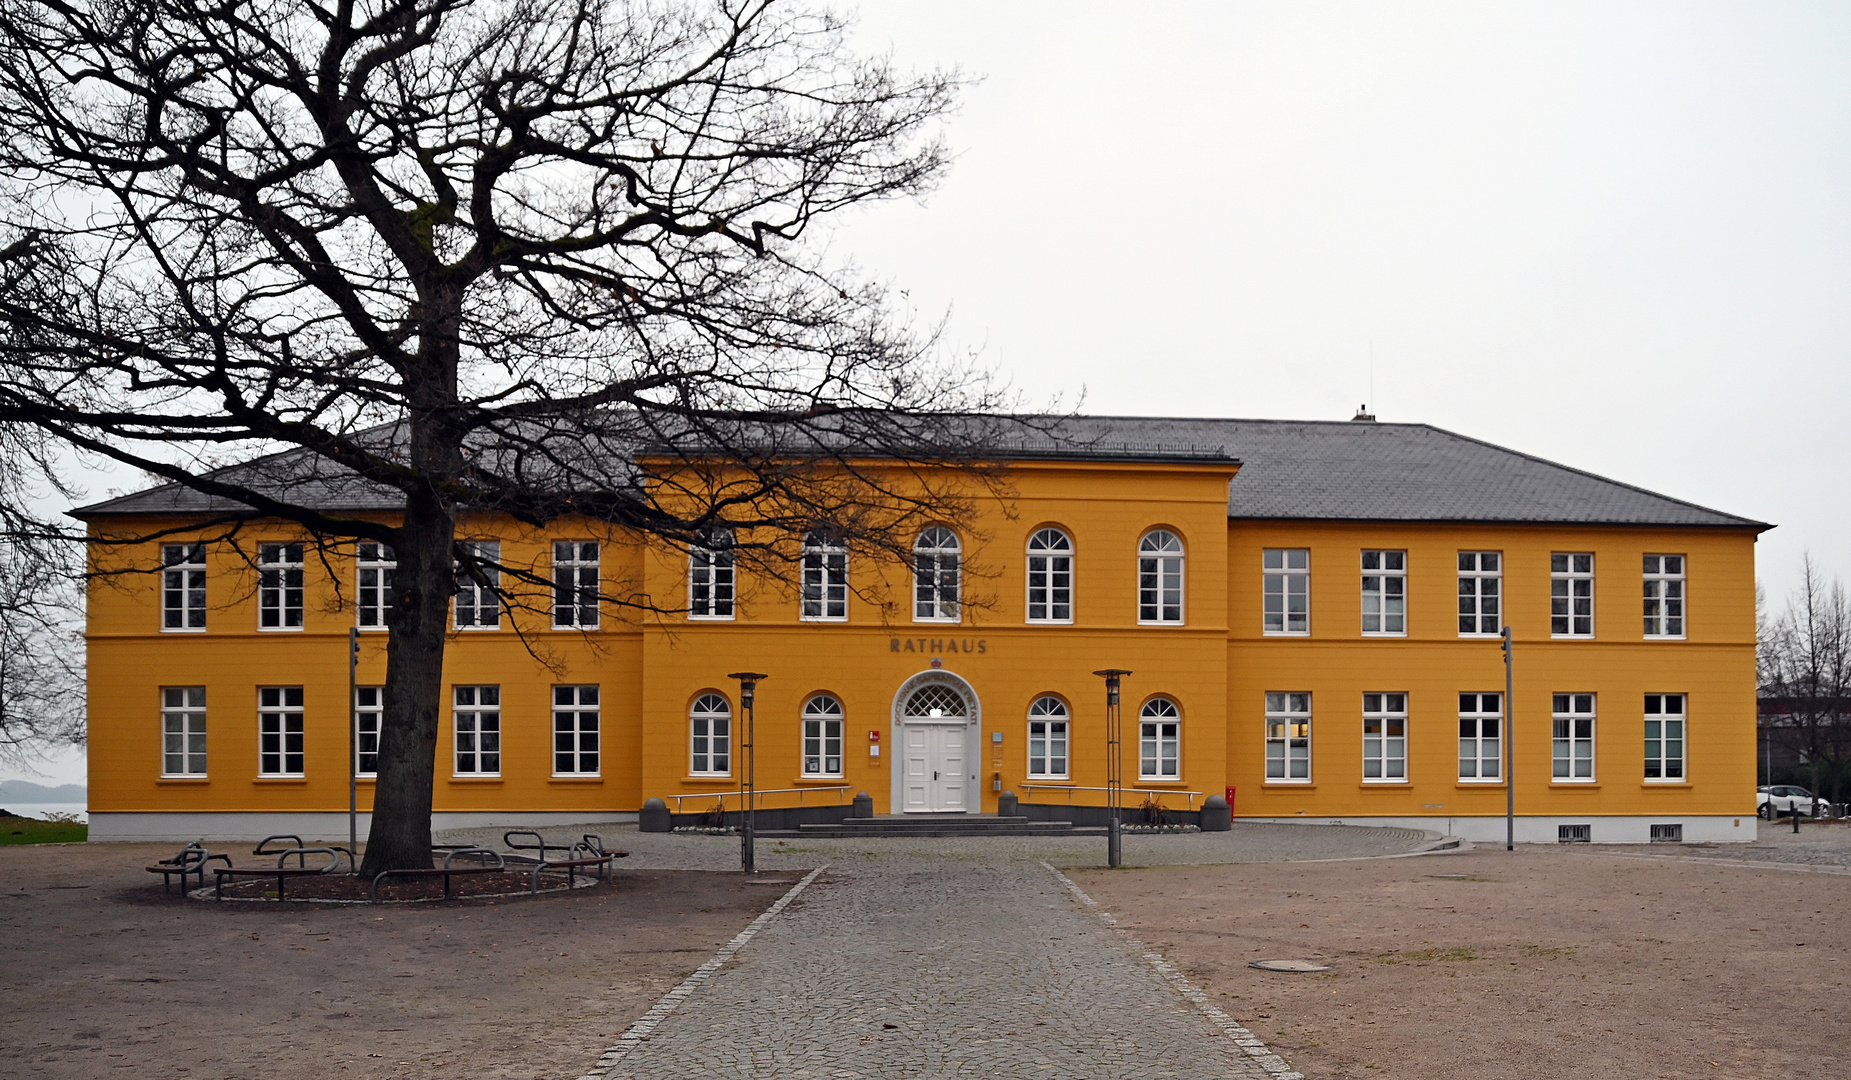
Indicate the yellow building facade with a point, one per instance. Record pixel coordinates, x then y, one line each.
1294 601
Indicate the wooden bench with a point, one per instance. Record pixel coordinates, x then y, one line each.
192 859
446 871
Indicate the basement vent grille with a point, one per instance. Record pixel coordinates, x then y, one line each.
1573 834
1668 834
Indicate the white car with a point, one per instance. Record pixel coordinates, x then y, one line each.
1781 799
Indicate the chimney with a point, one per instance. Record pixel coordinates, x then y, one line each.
1363 415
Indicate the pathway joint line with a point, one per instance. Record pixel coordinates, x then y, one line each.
640 1031
1250 1044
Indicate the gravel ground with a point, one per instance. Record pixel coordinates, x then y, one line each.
1818 843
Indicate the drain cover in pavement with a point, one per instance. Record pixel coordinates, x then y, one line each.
1299 966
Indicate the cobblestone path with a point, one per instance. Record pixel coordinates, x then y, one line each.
936 969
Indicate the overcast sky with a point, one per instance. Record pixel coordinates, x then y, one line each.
1613 235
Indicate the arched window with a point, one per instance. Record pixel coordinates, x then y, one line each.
710 577
1160 741
710 729
822 736
1050 576
1047 738
825 577
1160 578
935 576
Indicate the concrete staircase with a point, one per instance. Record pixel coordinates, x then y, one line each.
885 825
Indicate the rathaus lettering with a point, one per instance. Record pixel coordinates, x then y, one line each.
939 645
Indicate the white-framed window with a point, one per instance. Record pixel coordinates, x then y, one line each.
1481 746
1047 738
575 731
822 736
936 575
183 588
478 730
1664 737
373 592
1573 748
1664 596
1160 726
279 731
575 584
369 708
1385 738
1050 577
710 736
478 603
1160 578
711 577
1481 593
1385 593
279 586
1288 738
825 577
1286 591
1571 594
183 731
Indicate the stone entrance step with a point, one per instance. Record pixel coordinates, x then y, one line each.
931 825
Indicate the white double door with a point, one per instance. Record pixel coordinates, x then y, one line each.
936 771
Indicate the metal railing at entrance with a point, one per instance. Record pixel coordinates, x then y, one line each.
1071 788
758 796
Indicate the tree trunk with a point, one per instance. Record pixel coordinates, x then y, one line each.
400 837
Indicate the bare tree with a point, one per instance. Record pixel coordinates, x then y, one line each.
1805 662
41 654
536 258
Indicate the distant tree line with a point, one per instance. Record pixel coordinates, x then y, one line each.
1804 662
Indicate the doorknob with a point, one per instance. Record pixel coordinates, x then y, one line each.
935 774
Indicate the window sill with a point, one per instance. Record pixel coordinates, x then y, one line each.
1571 637
183 629
1288 785
820 781
1474 785
1047 622
1159 780
822 618
712 618
1144 622
183 780
938 622
577 629
575 779
1649 784
475 779
1481 637
1049 781
1576 785
712 780
1285 633
280 780
280 629
1663 637
474 629
1368 636
1368 785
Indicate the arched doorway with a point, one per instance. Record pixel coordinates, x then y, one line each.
937 721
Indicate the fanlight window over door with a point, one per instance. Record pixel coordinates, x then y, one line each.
933 702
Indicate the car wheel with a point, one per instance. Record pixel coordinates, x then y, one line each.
1766 811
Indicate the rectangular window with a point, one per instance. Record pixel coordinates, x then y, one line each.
478 730
1481 748
374 592
1574 738
478 603
825 580
822 746
1571 595
1047 749
1664 737
1664 596
1287 580
369 708
279 586
575 731
575 584
1385 738
710 584
1481 593
1385 593
183 587
1288 738
183 731
1159 749
279 731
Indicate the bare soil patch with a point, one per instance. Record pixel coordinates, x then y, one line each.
1491 965
104 976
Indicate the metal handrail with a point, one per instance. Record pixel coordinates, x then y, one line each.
1071 788
757 803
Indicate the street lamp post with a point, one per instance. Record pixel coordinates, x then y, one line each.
1114 763
1510 750
748 682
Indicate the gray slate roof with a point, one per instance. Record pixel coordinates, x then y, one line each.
1289 469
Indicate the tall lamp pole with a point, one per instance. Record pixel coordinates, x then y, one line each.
1114 762
748 682
1510 750
353 747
